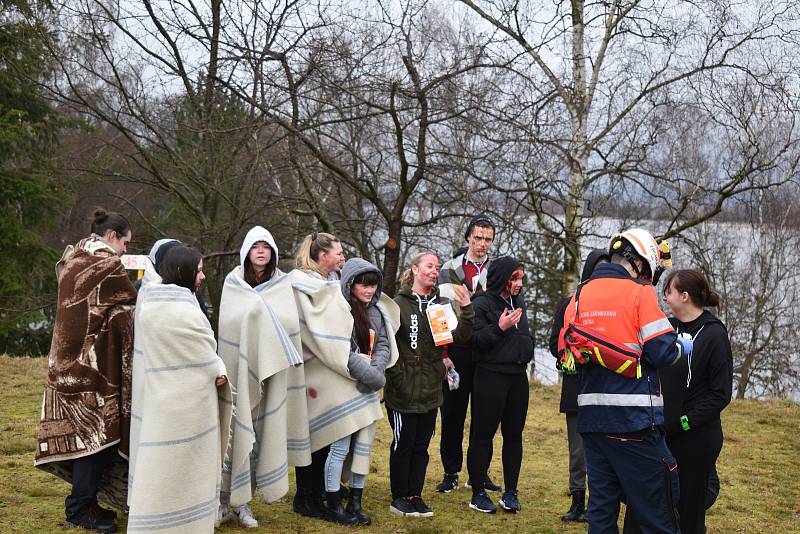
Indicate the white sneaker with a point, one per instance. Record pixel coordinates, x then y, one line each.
224 515
245 515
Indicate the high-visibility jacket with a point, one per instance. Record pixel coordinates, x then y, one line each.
625 310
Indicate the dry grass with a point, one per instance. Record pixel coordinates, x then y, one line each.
759 469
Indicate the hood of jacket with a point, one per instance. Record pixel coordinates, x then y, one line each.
407 293
500 270
695 325
591 262
354 267
159 249
256 234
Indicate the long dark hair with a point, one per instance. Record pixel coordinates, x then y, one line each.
359 309
179 266
103 221
694 282
250 275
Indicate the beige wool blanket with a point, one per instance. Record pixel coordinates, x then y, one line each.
265 334
180 420
259 340
335 407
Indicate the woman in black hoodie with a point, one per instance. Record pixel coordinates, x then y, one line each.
696 390
502 347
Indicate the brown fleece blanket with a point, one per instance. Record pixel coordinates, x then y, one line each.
86 405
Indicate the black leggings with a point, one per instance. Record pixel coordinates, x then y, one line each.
498 399
311 478
696 452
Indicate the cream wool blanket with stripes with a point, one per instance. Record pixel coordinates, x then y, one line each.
335 407
180 420
259 340
265 333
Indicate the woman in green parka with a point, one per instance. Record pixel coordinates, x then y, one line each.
413 391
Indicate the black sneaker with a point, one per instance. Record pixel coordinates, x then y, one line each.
423 510
488 485
482 503
403 506
449 483
91 519
509 502
305 504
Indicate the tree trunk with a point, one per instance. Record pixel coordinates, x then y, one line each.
578 154
391 258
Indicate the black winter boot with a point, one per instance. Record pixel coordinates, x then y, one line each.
576 512
336 513
305 503
354 507
91 518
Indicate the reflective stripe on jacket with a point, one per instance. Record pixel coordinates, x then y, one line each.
627 311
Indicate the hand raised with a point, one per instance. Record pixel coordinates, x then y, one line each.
461 295
509 319
506 320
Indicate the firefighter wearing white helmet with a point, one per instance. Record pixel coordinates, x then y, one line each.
620 416
637 244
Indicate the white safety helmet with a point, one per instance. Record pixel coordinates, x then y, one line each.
639 242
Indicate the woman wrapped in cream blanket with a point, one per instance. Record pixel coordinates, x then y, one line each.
181 405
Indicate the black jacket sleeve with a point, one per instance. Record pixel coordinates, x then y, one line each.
719 377
486 333
558 324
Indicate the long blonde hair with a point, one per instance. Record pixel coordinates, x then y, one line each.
310 248
407 278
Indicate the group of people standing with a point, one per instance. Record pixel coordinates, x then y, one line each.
149 411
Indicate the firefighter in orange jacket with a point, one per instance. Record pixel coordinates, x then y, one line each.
620 418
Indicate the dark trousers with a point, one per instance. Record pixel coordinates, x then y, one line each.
577 458
696 452
408 455
637 466
499 400
454 411
311 478
87 472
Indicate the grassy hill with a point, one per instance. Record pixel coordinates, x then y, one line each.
759 469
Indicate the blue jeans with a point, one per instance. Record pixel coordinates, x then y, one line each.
335 463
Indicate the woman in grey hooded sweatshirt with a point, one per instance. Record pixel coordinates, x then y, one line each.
370 354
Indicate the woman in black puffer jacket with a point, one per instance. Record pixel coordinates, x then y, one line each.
502 347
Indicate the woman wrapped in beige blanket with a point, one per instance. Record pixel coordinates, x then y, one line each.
181 407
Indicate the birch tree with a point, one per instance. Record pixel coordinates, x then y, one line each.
609 70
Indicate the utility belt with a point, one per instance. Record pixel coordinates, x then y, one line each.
578 344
